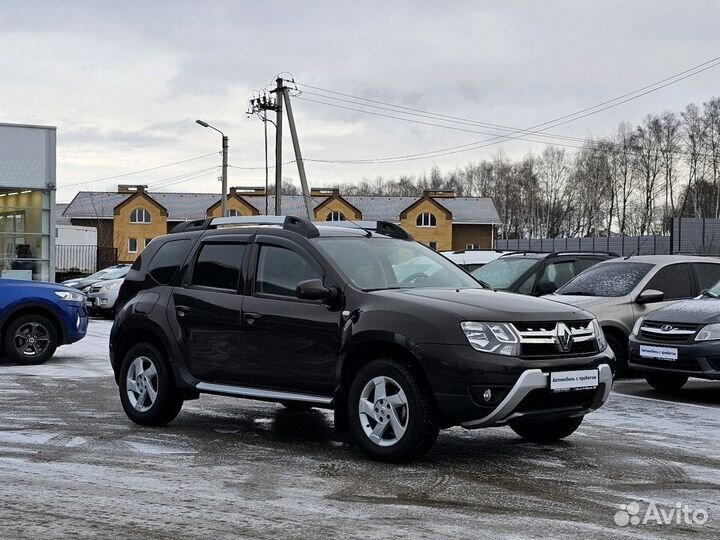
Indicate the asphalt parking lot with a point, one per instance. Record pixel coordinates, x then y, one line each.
72 464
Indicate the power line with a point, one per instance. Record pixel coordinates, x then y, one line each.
162 181
187 179
140 171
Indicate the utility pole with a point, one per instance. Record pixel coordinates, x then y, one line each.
223 178
298 157
279 90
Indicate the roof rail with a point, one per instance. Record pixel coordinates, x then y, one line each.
289 223
381 227
560 253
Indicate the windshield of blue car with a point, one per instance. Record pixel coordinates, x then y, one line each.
610 279
388 263
502 273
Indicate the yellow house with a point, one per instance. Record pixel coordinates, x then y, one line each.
130 218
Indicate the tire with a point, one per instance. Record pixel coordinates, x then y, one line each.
155 377
397 426
620 351
665 382
30 340
544 431
298 406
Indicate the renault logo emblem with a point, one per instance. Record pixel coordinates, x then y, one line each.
564 337
666 327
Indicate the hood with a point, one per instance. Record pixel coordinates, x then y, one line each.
38 285
584 302
698 311
485 304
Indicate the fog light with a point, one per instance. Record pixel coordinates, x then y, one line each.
487 395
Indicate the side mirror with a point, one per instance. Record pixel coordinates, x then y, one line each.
650 296
312 289
546 287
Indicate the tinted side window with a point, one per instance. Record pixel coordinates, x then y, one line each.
280 270
707 275
219 266
167 260
673 280
559 273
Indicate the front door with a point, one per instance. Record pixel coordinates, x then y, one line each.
288 343
208 308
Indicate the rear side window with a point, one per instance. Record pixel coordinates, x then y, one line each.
673 280
219 266
280 270
707 275
167 260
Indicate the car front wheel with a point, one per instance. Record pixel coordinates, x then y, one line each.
147 392
30 340
391 414
547 430
666 382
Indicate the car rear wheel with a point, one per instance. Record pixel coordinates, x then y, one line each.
666 382
391 414
147 391
548 430
30 340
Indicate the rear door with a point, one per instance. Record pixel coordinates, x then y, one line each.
288 343
208 306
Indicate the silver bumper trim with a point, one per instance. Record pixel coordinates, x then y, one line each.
530 380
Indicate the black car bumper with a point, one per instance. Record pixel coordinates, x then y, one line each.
460 376
696 359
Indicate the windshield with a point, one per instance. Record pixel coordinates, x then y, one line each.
115 273
608 279
714 291
502 273
388 263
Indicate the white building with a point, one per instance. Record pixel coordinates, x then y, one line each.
27 201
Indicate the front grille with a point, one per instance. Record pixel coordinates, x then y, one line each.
542 399
554 339
668 332
685 363
95 289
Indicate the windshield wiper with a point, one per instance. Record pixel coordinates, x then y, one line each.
578 293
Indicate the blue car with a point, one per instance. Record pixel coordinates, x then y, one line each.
37 317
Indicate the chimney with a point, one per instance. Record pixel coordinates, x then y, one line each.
439 193
247 191
324 192
130 188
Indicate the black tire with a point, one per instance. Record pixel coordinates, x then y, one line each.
417 416
549 430
30 340
167 403
665 382
298 406
619 349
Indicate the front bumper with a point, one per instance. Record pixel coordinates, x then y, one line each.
695 359
101 301
459 376
75 317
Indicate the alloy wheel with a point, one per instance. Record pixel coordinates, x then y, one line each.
31 339
384 412
142 384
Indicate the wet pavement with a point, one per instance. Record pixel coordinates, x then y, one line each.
72 465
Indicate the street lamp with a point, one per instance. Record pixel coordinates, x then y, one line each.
223 197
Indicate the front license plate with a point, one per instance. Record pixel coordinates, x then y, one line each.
659 353
563 381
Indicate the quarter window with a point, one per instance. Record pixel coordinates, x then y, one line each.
335 216
219 266
280 270
140 215
426 219
167 260
673 280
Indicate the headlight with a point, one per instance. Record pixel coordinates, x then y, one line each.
110 287
71 296
709 332
496 338
638 325
599 336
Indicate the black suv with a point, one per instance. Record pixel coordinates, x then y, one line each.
537 273
358 318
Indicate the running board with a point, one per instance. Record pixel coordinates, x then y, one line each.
260 393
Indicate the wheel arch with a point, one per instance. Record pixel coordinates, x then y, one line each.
34 309
133 335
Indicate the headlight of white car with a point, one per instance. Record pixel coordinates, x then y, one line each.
599 336
709 332
69 296
110 287
490 337
638 326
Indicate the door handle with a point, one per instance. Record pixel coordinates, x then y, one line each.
250 318
182 310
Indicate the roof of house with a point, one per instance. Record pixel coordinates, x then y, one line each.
186 206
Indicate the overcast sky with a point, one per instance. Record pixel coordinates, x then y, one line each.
124 81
